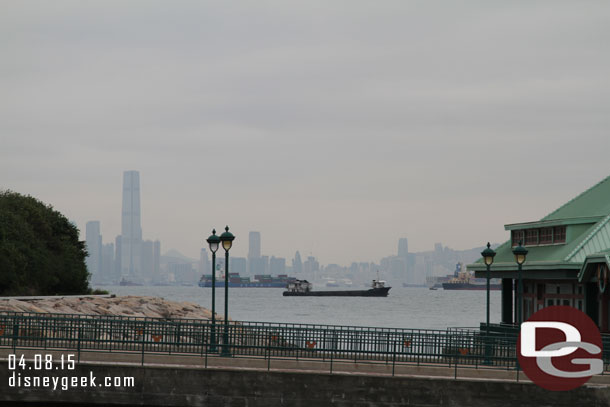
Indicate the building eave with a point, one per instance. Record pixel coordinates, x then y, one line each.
553 222
534 265
586 272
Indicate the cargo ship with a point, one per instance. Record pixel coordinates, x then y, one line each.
236 281
302 288
463 280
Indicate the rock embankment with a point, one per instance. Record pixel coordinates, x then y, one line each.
129 306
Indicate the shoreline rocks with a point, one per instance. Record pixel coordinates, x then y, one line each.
128 306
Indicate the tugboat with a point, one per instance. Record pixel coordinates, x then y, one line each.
463 280
302 288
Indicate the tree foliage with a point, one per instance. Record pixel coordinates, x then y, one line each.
40 253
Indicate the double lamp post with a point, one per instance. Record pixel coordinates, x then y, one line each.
226 239
520 254
488 255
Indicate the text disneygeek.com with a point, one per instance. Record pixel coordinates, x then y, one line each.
48 363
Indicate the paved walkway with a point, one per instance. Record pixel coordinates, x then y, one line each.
463 372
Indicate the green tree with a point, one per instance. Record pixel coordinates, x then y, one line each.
40 253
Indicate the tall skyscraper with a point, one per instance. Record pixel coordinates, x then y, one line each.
131 229
403 247
297 265
254 251
94 249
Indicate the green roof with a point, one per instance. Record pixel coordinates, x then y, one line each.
595 201
587 233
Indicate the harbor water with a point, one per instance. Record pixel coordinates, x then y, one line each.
413 308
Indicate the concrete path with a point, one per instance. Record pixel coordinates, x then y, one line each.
482 373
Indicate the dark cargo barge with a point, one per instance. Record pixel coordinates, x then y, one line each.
302 288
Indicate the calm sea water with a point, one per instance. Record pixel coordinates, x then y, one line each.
416 308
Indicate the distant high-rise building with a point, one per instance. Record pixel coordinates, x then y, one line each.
182 273
277 265
297 265
397 267
107 274
118 247
403 247
147 259
257 266
204 262
403 254
131 228
255 245
156 260
238 265
311 265
94 249
254 251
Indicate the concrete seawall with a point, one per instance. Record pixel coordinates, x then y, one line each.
181 386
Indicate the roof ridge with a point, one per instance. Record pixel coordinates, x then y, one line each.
597 228
576 197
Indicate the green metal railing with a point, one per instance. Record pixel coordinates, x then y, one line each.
467 347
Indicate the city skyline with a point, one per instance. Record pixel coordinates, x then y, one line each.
331 128
144 266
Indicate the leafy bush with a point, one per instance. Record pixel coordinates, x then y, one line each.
40 253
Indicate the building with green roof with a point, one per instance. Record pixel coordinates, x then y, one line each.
567 261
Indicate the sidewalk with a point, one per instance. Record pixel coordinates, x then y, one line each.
463 372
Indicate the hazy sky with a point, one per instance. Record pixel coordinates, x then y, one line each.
332 127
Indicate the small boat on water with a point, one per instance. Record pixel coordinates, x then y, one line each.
128 283
302 288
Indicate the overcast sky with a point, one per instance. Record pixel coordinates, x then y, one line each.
332 127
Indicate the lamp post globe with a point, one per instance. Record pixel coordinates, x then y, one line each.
488 255
520 254
226 239
213 242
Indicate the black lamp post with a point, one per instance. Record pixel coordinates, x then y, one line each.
213 241
520 253
227 241
488 257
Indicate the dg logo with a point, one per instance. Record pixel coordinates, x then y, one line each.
560 348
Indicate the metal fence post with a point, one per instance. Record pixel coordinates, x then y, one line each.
324 345
15 335
78 342
269 352
394 359
206 356
143 336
